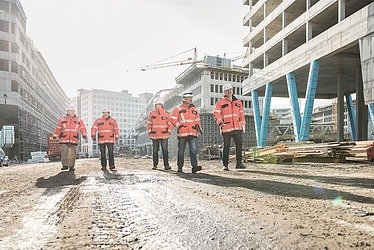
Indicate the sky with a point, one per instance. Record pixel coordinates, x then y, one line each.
90 43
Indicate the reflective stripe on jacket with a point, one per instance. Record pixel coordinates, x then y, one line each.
187 120
159 125
107 130
68 129
229 115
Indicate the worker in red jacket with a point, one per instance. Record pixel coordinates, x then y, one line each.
159 129
67 130
107 131
186 119
229 115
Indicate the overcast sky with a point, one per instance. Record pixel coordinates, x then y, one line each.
90 43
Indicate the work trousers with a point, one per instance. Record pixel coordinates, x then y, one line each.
68 154
103 158
238 139
165 154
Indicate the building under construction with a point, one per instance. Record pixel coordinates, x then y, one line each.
32 98
311 49
205 80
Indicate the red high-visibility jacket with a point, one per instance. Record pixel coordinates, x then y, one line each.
159 125
187 120
229 115
68 129
107 130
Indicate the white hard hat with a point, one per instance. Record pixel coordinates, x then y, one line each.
159 101
188 94
227 87
105 110
70 107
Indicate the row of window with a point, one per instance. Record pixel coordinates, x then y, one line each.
227 77
218 88
247 104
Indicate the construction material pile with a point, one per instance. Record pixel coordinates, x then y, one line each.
312 152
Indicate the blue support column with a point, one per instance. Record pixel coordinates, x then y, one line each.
294 101
256 114
309 100
352 115
371 112
266 114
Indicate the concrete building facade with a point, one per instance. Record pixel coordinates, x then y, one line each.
32 99
312 49
124 107
205 80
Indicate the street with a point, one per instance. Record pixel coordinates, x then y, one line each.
304 206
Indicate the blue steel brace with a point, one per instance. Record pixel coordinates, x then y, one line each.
256 114
265 114
309 100
294 101
371 112
351 115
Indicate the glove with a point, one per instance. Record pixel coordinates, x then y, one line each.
93 138
84 137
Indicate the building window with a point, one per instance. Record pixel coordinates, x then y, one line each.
216 88
212 75
4 26
221 76
211 101
14 86
4 65
221 89
4 45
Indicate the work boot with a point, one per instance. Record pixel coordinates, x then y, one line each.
197 168
225 168
64 168
103 169
167 167
154 168
71 169
180 170
112 167
240 166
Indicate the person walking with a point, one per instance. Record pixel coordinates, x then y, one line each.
67 131
229 116
106 128
186 118
159 129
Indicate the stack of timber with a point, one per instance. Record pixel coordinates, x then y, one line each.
312 152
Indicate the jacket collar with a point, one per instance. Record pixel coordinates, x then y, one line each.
234 98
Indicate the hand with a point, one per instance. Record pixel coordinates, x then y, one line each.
84 137
93 138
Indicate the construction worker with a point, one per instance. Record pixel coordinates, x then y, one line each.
107 131
159 129
67 130
186 119
229 116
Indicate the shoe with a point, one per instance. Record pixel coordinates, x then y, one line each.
154 168
225 168
240 166
72 169
103 169
196 169
179 170
112 168
64 168
167 167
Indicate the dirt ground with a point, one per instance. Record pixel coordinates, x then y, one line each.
303 206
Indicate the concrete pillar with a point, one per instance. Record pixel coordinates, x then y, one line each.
284 47
340 108
366 45
362 110
250 69
265 9
309 31
308 4
284 19
341 10
266 59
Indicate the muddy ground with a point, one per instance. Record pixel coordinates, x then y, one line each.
304 206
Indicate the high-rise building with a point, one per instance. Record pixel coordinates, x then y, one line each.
312 49
124 107
205 80
31 98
